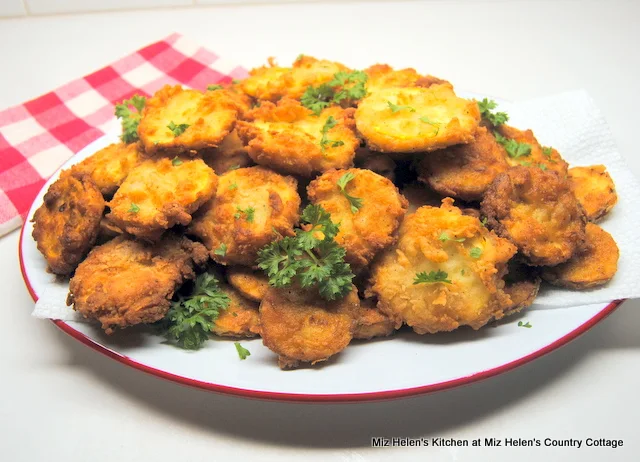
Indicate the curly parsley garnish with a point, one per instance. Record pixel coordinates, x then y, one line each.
248 213
431 277
221 250
311 258
513 148
176 161
242 352
436 125
445 237
214 87
134 208
497 118
326 142
177 130
130 119
475 252
192 316
527 325
354 202
344 87
395 108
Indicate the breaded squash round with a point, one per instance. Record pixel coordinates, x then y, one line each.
537 211
418 194
251 284
444 272
300 327
161 193
372 323
369 221
109 167
231 154
66 225
273 83
594 189
178 121
240 319
416 119
522 284
464 171
126 282
544 158
289 138
594 266
252 206
381 76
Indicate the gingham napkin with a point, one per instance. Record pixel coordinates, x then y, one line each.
40 135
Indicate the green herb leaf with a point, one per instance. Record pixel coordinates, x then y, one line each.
513 148
547 150
436 125
483 222
192 315
318 98
395 108
497 118
326 142
242 352
475 252
248 213
177 130
346 87
445 237
134 208
354 202
527 325
215 87
130 119
232 186
221 250
176 161
431 277
542 167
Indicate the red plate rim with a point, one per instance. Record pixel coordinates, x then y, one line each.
302 397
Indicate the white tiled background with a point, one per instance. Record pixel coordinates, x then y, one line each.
14 8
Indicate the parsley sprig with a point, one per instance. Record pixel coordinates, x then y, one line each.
495 118
192 315
130 119
311 258
247 212
177 130
513 148
326 142
242 351
354 202
344 87
395 107
431 277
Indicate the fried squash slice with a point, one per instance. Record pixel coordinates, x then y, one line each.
416 119
251 284
289 138
240 319
594 189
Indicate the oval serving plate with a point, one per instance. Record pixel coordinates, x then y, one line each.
419 364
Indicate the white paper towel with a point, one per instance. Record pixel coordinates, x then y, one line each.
571 123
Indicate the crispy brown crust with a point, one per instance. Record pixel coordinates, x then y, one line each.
373 227
126 282
231 154
538 212
66 225
594 189
240 319
521 285
594 266
166 195
275 201
300 327
287 136
250 283
372 323
475 295
464 171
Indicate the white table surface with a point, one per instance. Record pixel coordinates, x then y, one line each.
62 401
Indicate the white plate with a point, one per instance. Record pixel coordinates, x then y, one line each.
413 364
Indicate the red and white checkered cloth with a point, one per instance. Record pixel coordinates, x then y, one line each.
40 135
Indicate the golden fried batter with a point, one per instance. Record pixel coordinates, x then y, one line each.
371 322
126 282
109 167
273 83
545 158
241 317
251 284
300 327
594 189
66 224
231 154
442 244
289 138
401 120
160 193
521 285
594 266
209 117
372 227
251 206
381 76
537 211
464 171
